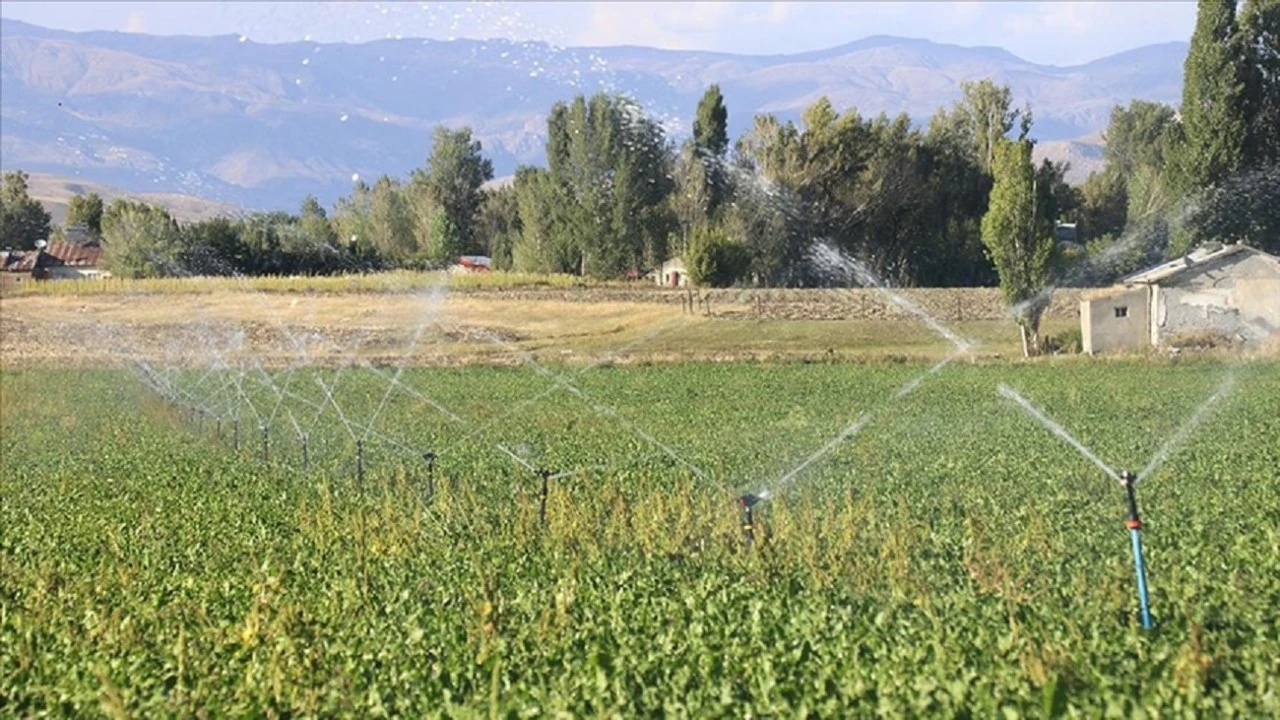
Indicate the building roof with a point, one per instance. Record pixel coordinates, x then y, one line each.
57 254
1194 259
19 260
72 255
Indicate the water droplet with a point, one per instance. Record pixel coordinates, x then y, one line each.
244 38
343 118
306 61
355 177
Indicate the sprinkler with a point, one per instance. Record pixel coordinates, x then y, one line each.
430 459
542 496
265 455
235 434
360 463
1134 524
218 429
306 461
747 503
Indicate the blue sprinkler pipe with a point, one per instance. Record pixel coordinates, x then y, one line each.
1135 526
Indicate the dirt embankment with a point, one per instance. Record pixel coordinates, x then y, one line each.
945 304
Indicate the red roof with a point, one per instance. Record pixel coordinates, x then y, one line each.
73 255
19 260
57 254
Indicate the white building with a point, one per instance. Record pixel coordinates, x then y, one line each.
1231 291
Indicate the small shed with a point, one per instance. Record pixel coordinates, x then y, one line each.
1231 291
17 267
71 261
672 274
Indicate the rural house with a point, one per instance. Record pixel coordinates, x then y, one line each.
672 273
1230 291
17 267
56 261
70 261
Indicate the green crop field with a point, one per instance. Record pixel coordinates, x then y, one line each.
949 557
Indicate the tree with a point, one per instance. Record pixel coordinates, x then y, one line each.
987 117
23 220
213 247
610 175
714 259
314 223
455 172
1214 103
446 243
710 143
711 123
498 225
1018 240
544 245
1103 203
691 195
140 240
1260 31
1138 136
86 210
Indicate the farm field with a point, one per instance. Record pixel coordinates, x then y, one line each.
579 325
951 557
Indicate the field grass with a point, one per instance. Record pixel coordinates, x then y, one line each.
952 559
377 282
436 327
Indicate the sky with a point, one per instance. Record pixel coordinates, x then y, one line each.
1054 33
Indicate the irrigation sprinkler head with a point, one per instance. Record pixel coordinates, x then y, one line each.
747 503
1134 524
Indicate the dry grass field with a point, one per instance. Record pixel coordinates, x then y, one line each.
436 326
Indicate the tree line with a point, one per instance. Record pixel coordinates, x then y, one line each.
955 202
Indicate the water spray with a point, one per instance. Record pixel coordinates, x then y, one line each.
1127 479
1134 523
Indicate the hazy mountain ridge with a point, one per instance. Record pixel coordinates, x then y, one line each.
262 125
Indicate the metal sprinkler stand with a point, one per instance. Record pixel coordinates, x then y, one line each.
360 463
1134 523
265 443
430 459
747 503
542 496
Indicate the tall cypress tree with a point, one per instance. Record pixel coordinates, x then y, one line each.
1260 31
711 142
1019 237
1214 101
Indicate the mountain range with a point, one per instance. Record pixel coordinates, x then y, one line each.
262 125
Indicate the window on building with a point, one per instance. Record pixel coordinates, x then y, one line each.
1122 312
